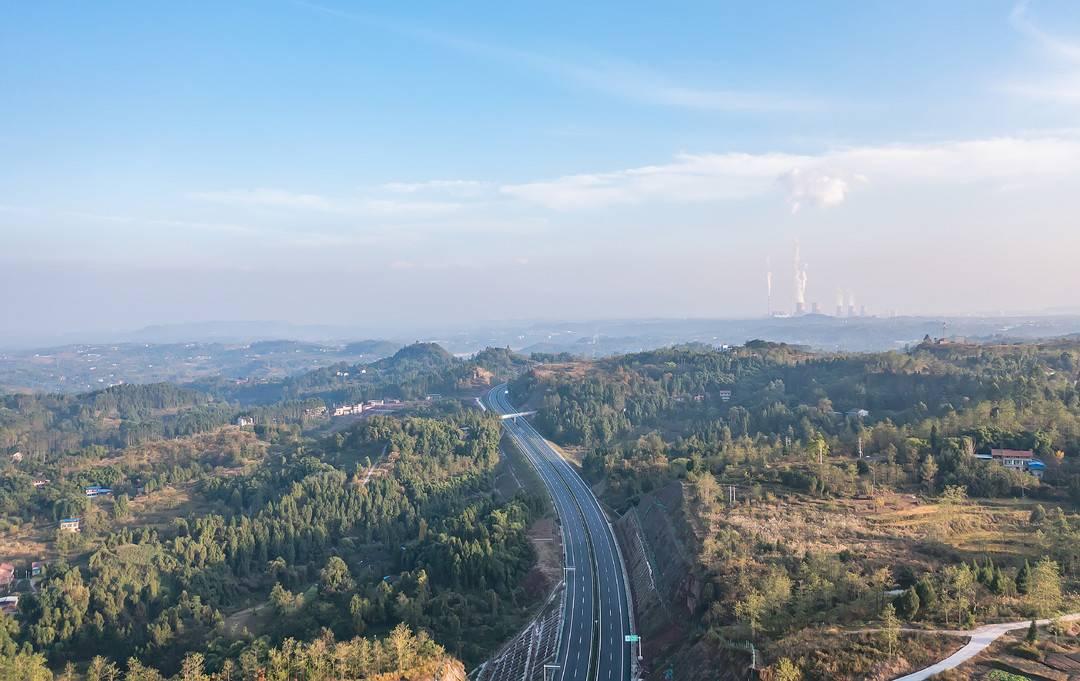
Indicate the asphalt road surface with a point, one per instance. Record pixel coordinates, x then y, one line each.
596 615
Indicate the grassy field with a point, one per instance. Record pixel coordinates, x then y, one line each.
159 508
890 528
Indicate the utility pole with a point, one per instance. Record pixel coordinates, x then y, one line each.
860 444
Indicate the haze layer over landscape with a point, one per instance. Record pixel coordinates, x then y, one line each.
319 164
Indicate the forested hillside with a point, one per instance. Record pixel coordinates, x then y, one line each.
115 417
378 550
412 372
808 485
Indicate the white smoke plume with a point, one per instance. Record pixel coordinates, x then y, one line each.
800 278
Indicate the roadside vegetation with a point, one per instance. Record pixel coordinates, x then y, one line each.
827 495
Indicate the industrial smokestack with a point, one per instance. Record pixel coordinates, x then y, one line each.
839 303
800 282
851 304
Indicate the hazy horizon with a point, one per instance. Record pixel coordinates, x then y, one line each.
422 166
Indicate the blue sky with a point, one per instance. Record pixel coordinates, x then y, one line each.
614 159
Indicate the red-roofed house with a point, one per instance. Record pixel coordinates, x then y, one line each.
1016 459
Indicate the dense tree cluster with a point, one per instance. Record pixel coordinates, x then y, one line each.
422 541
412 372
927 412
41 426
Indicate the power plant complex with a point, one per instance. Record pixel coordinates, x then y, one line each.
845 301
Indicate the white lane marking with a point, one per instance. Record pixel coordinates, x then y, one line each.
577 488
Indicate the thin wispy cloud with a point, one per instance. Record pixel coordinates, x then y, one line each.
651 87
35 214
826 180
345 206
263 197
461 189
608 76
1059 78
1020 18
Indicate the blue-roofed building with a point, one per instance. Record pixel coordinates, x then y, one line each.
1036 467
1019 460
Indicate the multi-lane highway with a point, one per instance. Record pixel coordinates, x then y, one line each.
596 614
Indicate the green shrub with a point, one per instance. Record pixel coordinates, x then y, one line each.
1029 651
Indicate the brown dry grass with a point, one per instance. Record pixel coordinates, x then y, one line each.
888 529
835 655
545 539
26 542
573 454
158 508
563 369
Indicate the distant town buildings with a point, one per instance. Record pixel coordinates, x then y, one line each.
97 491
37 568
379 406
16 457
858 413
349 409
725 395
69 525
245 421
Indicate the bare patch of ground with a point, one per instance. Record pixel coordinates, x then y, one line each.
251 619
546 540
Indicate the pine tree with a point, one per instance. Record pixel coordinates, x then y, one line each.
1023 579
1044 594
928 471
908 603
890 629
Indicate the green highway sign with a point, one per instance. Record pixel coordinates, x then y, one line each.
631 638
